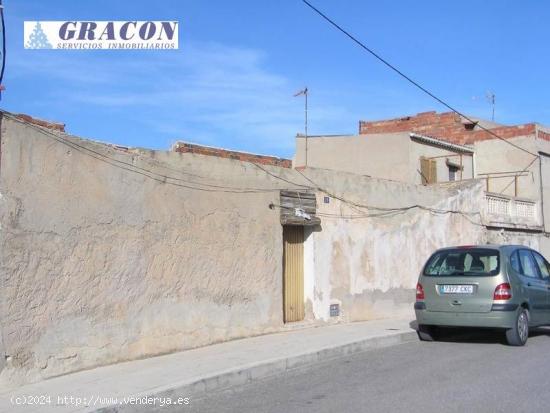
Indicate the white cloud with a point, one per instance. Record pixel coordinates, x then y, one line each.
211 93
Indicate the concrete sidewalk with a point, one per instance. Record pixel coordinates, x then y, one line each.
188 373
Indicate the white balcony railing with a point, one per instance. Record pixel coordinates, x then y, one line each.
510 210
498 206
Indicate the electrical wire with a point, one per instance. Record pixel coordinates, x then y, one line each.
218 188
410 80
391 214
383 212
3 43
281 178
370 207
519 174
200 186
419 86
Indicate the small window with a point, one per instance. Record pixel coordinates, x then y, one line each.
528 265
453 171
544 267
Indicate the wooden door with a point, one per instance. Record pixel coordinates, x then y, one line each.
293 273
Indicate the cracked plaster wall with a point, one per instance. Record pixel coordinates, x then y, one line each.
99 264
370 266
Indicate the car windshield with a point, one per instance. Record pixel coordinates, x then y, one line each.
462 261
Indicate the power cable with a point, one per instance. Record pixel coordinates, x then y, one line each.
3 45
390 214
518 174
347 201
413 82
217 188
143 171
416 84
280 177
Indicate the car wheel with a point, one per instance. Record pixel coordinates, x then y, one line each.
426 333
518 335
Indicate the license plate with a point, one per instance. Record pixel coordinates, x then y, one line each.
456 289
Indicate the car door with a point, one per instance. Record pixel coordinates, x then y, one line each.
544 271
536 288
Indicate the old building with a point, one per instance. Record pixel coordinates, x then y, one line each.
399 156
111 253
432 148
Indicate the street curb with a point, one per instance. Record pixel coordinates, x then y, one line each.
251 372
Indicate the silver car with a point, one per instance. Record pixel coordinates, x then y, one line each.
495 286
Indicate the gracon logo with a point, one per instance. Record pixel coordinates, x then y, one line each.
38 39
101 35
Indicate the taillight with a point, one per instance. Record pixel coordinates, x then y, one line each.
503 292
419 292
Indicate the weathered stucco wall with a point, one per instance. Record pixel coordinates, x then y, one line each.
100 264
107 255
370 265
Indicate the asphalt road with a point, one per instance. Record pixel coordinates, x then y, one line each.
465 372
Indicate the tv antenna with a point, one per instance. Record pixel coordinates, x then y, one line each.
304 92
491 99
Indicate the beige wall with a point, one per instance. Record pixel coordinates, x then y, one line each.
396 157
391 156
382 156
370 266
100 264
497 156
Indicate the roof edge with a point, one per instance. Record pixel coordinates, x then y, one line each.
441 143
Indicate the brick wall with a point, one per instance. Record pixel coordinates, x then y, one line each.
240 156
39 122
448 126
544 135
417 122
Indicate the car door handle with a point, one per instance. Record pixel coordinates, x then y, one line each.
528 284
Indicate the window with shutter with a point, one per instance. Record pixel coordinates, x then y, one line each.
428 171
433 171
424 170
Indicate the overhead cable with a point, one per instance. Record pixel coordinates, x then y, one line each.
410 80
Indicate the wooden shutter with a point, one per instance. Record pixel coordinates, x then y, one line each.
428 171
433 171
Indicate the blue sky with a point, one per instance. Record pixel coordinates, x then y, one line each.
231 82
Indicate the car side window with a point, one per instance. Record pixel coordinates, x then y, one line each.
514 262
528 265
543 266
